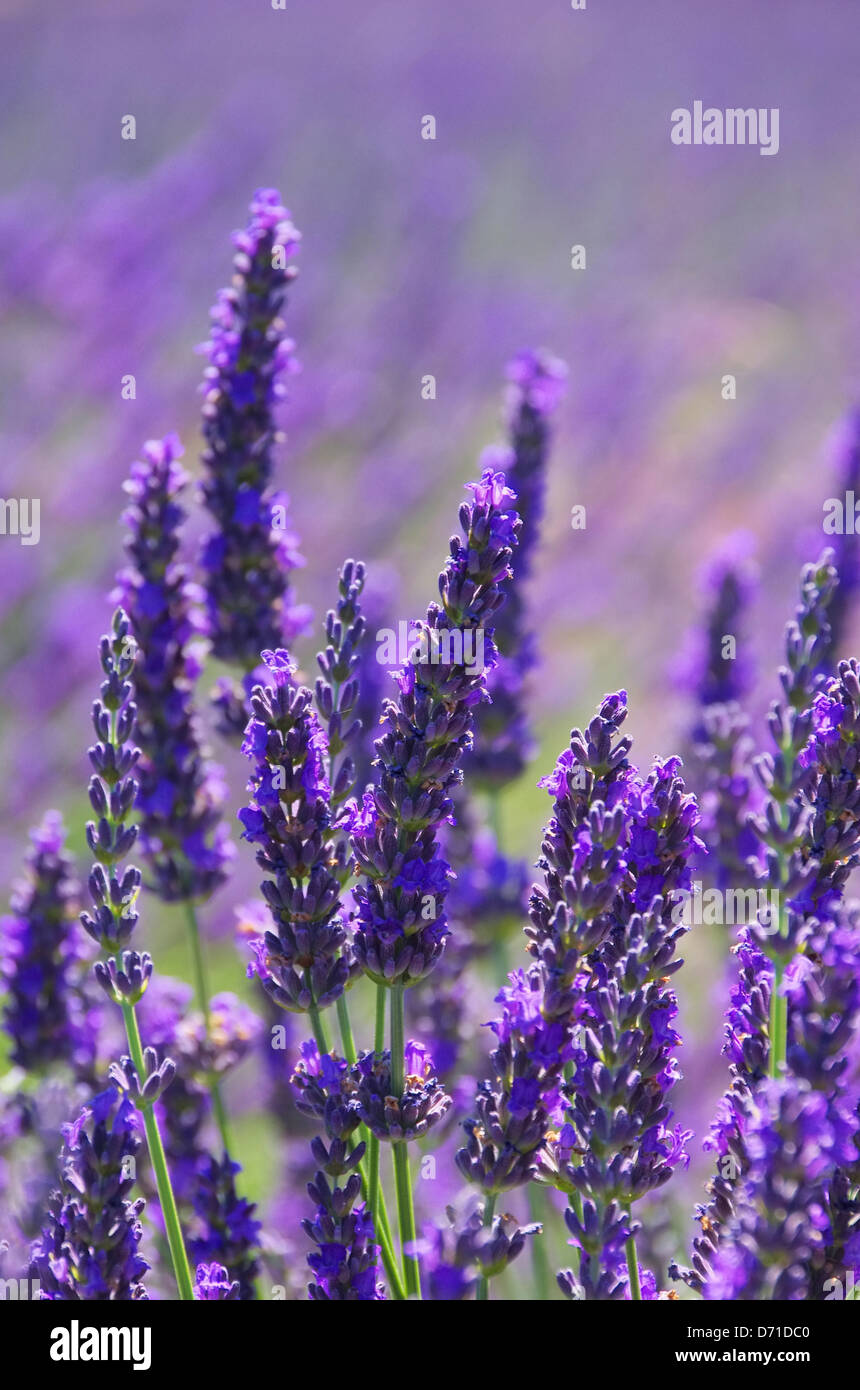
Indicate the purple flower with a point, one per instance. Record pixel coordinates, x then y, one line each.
400 898
213 1283
43 1009
89 1247
781 1223
226 1231
345 1262
180 793
304 962
503 742
248 560
407 1116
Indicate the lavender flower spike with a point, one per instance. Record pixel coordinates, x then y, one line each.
182 836
38 951
303 963
502 738
248 558
345 1262
89 1247
427 728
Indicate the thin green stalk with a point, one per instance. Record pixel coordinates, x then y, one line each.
201 987
483 1291
319 1029
538 1198
166 1198
402 1179
373 1146
633 1270
380 1215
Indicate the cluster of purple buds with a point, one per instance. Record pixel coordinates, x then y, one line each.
616 856
410 1115
400 925
213 1284
503 742
304 963
226 1231
455 1257
89 1247
42 1014
846 546
112 792
337 690
248 559
781 1225
180 795
514 1112
720 670
345 1261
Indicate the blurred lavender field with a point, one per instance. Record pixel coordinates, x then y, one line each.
440 257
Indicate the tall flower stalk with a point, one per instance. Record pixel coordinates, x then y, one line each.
114 890
248 557
183 839
400 925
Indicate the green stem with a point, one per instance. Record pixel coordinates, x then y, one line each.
373 1146
319 1030
538 1208
406 1214
381 1225
633 1270
201 987
159 1166
483 1291
402 1179
778 1023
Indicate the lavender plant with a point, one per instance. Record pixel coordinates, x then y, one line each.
379 876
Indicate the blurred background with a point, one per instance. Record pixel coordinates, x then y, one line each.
439 257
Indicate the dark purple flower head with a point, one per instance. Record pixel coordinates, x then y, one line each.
43 1010
248 558
717 668
225 1230
455 1256
514 1112
408 1116
846 546
794 1139
180 793
89 1247
304 963
337 690
213 1283
112 793
345 1262
401 924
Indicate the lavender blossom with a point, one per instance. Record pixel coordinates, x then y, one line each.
248 558
42 1013
337 690
226 1232
603 929
213 1284
345 1262
89 1247
303 964
503 743
794 1137
845 542
180 796
456 1256
394 1117
400 898
514 1112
